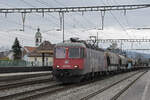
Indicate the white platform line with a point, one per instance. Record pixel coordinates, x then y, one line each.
145 90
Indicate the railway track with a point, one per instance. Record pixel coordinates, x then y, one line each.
33 94
23 81
43 91
108 87
8 84
115 97
54 89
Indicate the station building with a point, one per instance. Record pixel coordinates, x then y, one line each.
41 54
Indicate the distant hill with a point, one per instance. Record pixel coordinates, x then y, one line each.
137 55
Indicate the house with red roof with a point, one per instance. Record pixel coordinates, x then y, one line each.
26 51
41 54
34 55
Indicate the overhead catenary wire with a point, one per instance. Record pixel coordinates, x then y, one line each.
14 22
88 21
35 7
60 14
27 3
10 21
8 36
6 4
125 12
50 15
117 21
40 1
125 16
28 26
59 3
115 2
44 4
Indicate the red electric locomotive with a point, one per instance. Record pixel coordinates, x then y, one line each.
69 61
75 61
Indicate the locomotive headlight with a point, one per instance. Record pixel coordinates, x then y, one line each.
75 66
57 66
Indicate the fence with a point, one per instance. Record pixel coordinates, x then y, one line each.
20 63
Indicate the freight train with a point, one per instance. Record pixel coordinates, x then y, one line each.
76 61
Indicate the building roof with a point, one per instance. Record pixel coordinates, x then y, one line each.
46 47
29 49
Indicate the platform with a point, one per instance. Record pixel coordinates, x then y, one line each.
11 76
22 73
24 69
139 90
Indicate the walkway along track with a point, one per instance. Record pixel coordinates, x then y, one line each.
46 90
49 91
15 85
118 94
124 89
23 83
21 95
22 76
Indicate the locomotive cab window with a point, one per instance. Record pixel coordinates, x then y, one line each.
60 53
76 52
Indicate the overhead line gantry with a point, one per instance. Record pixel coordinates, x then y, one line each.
73 9
125 40
122 40
62 10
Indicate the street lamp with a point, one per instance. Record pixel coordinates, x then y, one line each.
51 30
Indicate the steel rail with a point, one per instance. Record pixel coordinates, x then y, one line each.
50 92
105 88
18 84
7 97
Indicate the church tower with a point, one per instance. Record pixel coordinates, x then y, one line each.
38 38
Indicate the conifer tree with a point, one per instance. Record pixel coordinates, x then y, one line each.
16 49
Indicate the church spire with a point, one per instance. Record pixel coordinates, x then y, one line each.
38 37
38 29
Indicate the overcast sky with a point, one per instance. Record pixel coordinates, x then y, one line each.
117 25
